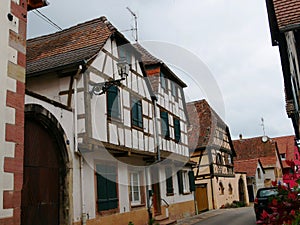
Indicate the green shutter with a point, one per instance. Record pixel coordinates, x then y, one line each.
107 197
177 129
169 180
192 181
113 102
180 182
164 124
136 113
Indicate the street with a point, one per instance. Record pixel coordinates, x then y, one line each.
236 216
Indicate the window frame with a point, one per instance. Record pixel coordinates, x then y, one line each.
163 81
133 201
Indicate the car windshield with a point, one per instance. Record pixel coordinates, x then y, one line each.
267 192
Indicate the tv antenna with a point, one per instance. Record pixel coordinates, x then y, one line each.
135 29
264 138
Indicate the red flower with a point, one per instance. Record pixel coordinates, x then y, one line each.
274 202
293 213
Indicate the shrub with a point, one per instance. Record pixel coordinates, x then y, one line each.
285 207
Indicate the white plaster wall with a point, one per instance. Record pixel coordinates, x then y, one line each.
259 181
7 114
176 198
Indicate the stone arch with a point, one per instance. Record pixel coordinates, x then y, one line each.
242 190
44 119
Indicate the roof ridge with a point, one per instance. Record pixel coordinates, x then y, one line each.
102 19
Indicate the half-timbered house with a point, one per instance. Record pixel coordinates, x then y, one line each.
86 91
212 150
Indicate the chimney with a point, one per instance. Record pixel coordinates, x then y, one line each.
241 137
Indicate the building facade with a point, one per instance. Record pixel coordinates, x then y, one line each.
284 24
109 163
12 87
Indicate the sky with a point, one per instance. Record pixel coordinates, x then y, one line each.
223 52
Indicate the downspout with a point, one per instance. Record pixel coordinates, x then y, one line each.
211 176
158 156
76 150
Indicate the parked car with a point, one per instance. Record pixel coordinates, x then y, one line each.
262 199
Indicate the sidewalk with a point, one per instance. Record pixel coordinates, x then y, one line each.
194 219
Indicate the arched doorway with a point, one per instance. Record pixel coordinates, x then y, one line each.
241 190
45 193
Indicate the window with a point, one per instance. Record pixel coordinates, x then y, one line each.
164 124
258 173
136 112
125 53
230 189
283 156
107 197
169 180
221 188
163 81
135 190
174 89
113 102
177 129
186 181
219 160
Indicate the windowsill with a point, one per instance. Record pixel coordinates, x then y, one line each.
137 128
170 194
186 193
113 119
138 205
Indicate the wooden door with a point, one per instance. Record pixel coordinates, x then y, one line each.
201 197
41 182
156 198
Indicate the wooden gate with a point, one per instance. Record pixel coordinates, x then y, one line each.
41 184
201 197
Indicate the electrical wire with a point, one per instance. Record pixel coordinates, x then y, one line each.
46 19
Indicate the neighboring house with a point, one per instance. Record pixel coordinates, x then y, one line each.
212 150
255 174
172 134
289 155
264 149
12 85
102 163
284 21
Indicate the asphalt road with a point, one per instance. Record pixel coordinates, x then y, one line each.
237 216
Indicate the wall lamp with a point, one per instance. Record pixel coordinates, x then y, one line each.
102 87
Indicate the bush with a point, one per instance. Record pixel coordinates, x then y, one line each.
285 207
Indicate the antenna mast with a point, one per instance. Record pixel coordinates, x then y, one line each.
263 126
135 23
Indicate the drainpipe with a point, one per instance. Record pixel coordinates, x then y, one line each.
154 100
81 161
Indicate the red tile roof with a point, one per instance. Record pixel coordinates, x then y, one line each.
254 148
204 123
287 13
286 145
249 166
78 43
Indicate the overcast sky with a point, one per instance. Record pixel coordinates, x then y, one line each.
230 40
